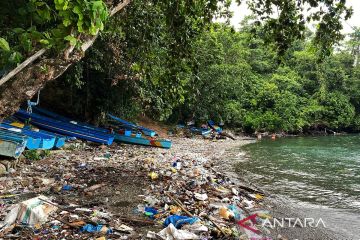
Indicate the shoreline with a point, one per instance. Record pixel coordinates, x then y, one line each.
126 183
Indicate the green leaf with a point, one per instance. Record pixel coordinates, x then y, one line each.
67 22
18 30
65 7
71 39
77 10
15 57
59 4
80 26
4 45
44 41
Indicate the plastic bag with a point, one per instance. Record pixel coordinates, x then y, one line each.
179 221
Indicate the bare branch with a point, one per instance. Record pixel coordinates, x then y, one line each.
22 66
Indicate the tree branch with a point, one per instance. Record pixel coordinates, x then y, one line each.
22 66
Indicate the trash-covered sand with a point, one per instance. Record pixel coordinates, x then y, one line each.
131 192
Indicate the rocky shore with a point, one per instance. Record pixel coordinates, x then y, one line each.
133 192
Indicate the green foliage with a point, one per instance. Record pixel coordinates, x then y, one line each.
4 45
31 24
36 155
167 60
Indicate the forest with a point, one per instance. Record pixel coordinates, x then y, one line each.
172 62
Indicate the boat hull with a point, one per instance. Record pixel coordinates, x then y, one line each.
37 140
201 131
11 145
132 126
59 139
161 143
65 128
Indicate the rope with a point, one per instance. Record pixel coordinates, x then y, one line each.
30 103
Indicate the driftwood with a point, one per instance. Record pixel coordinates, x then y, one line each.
251 190
180 205
229 135
27 79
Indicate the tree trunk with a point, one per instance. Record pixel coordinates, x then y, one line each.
26 83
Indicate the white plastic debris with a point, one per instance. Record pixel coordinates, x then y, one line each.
234 191
32 211
201 197
196 227
171 233
124 228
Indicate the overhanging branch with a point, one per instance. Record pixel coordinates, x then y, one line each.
29 77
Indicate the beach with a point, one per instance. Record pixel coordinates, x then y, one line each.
111 185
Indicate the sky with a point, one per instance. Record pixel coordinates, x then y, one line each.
241 11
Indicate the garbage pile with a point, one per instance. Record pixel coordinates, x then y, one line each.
129 192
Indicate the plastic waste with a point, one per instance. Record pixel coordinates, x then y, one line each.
174 209
31 212
171 233
197 227
125 228
177 165
225 213
234 191
95 228
179 221
107 155
150 212
153 175
236 211
201 197
67 188
152 201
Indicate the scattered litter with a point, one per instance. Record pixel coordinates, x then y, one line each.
171 233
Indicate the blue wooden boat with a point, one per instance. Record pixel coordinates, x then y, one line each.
32 142
64 128
11 144
212 125
47 113
202 131
138 139
46 141
59 139
131 126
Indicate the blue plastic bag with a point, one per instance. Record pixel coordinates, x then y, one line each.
150 212
92 228
179 221
67 188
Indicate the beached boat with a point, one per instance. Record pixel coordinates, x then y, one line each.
50 114
132 126
46 141
64 128
138 139
201 131
212 125
11 144
59 139
32 142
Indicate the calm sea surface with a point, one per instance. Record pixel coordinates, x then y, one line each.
318 175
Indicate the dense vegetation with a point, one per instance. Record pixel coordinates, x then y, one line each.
168 60
232 75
